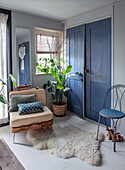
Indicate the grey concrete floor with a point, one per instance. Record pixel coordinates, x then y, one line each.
33 159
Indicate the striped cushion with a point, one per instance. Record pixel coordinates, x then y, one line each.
30 108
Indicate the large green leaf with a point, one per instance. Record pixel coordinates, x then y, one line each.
3 100
59 96
61 77
48 86
53 96
54 72
44 86
13 79
68 69
66 91
59 84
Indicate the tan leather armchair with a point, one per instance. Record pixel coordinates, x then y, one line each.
21 123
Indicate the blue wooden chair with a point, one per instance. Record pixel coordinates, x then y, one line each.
117 92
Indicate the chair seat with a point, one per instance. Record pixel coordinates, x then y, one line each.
17 120
111 113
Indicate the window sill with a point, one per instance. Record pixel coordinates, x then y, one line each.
40 74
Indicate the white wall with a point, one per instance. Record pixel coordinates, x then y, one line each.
91 16
29 21
119 50
118 40
22 39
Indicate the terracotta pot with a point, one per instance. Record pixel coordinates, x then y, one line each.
59 110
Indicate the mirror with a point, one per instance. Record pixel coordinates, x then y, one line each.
23 56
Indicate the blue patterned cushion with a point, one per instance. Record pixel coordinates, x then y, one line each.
30 108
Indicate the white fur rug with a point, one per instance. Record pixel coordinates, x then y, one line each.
68 142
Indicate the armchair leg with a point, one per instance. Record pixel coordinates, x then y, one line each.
19 142
98 128
13 138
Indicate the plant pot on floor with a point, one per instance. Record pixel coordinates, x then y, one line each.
59 110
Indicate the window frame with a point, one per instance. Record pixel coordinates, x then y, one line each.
49 33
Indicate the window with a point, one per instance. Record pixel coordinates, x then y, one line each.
45 44
48 46
5 60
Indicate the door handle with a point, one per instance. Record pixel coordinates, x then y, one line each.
86 71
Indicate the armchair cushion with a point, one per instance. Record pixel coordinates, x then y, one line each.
17 120
17 99
27 108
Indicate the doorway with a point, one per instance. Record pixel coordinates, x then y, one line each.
95 65
75 57
98 66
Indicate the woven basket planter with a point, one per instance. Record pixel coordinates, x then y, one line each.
59 110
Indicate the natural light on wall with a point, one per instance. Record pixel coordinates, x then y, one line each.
49 45
3 63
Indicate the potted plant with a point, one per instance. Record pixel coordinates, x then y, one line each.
58 88
2 97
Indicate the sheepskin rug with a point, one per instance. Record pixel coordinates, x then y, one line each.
67 142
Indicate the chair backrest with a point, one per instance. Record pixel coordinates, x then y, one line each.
118 96
40 94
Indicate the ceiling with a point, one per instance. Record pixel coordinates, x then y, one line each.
60 10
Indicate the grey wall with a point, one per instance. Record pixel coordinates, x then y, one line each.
30 22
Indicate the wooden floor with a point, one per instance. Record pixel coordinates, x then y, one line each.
33 159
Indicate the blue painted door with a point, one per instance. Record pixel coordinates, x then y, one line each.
75 56
24 77
98 65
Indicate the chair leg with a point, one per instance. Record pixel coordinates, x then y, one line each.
13 138
19 142
98 128
115 129
106 123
